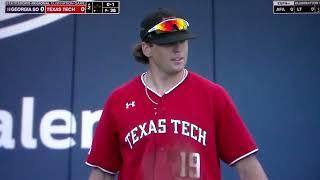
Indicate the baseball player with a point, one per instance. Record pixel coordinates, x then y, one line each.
170 123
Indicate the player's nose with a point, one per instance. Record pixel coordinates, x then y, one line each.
178 46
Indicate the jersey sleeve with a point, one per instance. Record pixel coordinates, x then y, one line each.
234 142
105 152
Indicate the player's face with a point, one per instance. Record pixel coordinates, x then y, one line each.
169 58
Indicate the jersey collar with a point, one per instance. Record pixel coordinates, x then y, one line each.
168 91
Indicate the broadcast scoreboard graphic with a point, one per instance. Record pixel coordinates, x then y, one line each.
63 7
296 7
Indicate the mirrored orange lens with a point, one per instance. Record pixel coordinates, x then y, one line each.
171 25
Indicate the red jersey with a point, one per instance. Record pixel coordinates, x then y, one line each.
180 135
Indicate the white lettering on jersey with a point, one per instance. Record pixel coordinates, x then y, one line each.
193 128
189 129
143 131
202 136
152 128
126 139
179 127
134 135
176 122
162 126
184 129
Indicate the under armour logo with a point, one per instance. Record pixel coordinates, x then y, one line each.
132 104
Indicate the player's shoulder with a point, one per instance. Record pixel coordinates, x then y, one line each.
199 81
123 91
128 87
208 88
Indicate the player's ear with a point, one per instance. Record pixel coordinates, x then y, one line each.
146 48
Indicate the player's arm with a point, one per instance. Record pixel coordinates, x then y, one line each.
249 168
97 174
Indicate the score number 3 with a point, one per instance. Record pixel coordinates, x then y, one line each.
193 164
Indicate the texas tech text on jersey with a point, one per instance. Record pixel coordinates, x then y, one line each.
179 127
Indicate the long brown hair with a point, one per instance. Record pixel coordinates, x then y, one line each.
138 54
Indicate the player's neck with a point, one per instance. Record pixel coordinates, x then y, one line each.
162 82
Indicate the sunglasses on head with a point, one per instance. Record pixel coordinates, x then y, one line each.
170 25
